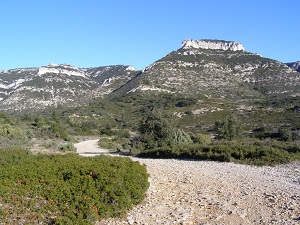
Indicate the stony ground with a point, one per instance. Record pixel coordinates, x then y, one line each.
205 192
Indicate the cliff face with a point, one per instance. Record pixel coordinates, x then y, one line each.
213 44
60 69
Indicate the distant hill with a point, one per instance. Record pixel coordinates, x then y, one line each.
33 89
294 65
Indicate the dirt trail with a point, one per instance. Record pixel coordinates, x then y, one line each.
206 192
90 148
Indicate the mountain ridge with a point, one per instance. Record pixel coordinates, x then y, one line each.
57 84
212 68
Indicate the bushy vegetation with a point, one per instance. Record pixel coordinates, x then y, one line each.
67 189
229 128
157 131
69 147
256 153
159 138
12 136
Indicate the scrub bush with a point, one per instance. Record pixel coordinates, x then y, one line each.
67 189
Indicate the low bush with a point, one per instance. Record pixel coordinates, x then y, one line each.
255 153
67 189
107 143
202 139
69 147
12 136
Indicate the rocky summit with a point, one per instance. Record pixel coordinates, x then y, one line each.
34 89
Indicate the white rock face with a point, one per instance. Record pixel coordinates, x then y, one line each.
60 69
212 44
130 68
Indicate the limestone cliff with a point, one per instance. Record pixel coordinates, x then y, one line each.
60 69
212 44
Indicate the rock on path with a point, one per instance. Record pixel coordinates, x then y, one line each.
206 192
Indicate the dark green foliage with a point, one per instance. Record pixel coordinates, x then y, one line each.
186 102
258 153
50 126
154 127
67 189
228 128
284 134
156 131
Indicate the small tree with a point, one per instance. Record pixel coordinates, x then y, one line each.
229 128
157 131
285 134
154 129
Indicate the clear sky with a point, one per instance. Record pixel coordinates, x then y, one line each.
91 33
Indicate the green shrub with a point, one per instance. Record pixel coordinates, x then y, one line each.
107 143
12 133
229 151
157 131
179 137
202 139
229 128
67 189
51 145
123 134
69 147
12 136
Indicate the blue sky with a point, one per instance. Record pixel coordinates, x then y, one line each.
94 33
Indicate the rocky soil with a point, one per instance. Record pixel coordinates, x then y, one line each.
206 192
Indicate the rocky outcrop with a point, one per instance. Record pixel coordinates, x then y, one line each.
60 69
213 44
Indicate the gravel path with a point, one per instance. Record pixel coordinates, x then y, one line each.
90 148
206 192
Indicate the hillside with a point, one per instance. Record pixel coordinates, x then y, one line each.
33 89
221 69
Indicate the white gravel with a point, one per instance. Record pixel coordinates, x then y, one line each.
206 192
